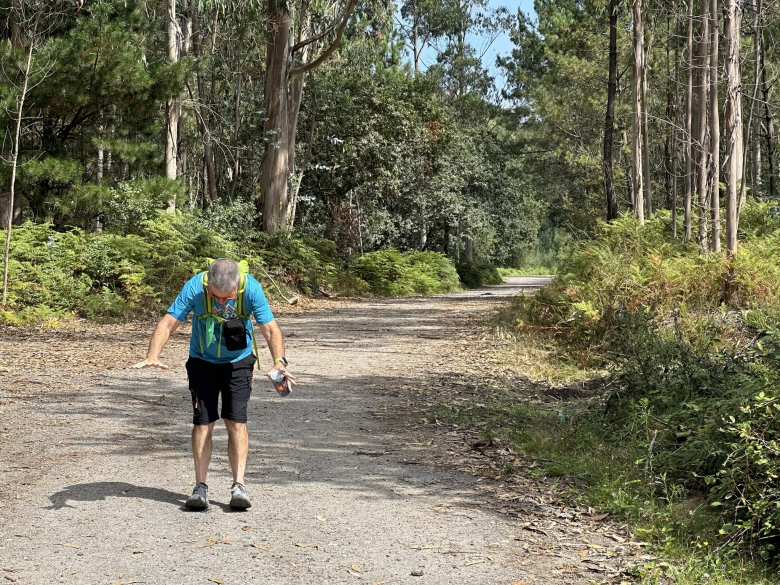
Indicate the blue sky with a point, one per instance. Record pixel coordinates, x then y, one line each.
502 45
492 46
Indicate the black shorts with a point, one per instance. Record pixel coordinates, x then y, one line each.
208 381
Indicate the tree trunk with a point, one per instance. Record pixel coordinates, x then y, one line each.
100 163
754 130
283 92
14 163
670 116
639 51
714 175
276 169
769 128
733 121
675 155
185 48
628 174
648 195
237 127
172 107
704 83
689 130
295 97
609 124
415 41
204 116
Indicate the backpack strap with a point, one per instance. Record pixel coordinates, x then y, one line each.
240 307
207 300
241 296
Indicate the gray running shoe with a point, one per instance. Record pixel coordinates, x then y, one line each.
199 500
239 499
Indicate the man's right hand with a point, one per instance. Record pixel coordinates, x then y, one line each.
150 363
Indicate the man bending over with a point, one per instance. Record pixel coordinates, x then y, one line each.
221 362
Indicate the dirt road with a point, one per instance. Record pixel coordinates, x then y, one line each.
349 485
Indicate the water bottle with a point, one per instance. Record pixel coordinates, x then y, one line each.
280 382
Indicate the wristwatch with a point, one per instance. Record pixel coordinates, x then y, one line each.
283 360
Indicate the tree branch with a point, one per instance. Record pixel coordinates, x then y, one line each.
301 44
301 69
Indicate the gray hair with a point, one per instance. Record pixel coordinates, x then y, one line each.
224 275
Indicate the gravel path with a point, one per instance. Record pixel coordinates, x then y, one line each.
95 471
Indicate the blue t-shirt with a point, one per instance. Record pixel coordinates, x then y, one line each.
193 298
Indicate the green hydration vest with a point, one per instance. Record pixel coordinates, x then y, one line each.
213 322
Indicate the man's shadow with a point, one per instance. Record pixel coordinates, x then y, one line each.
101 490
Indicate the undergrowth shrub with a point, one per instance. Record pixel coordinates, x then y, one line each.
693 342
396 274
474 275
55 274
294 262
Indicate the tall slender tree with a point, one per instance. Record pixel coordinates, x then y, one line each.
768 118
289 43
703 125
173 107
609 123
687 206
639 115
646 179
14 164
714 172
733 121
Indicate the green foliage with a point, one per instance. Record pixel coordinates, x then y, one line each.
694 345
474 275
54 274
35 316
293 261
396 274
400 165
179 246
528 270
131 203
106 275
237 217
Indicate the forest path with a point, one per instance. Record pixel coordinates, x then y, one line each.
350 481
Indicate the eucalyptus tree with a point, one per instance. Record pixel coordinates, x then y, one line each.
301 36
640 127
173 106
733 121
424 23
609 122
714 120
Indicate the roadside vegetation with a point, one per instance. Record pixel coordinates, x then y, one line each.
668 371
59 274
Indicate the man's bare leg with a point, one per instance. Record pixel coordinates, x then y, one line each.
201 450
238 448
